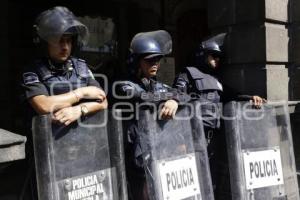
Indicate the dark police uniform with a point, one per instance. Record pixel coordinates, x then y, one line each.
44 79
140 91
206 88
144 45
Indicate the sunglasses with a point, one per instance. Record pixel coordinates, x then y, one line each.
215 55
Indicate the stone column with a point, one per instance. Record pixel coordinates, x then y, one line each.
294 49
257 45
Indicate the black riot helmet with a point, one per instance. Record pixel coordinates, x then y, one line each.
211 46
148 45
55 22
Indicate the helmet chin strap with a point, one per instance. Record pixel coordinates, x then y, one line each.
60 67
205 67
146 83
140 75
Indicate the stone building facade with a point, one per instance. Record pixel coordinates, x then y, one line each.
263 44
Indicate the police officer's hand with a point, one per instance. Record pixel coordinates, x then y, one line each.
168 110
90 92
258 101
67 115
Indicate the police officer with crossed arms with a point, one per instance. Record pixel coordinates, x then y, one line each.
57 82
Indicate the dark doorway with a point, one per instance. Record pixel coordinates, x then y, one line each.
191 28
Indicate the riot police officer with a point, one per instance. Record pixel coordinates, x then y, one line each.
146 51
202 83
57 82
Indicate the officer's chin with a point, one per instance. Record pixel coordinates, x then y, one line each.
62 59
153 73
214 67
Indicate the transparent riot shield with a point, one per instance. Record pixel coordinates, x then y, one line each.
81 161
260 150
173 168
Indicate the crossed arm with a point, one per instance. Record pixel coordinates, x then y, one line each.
66 108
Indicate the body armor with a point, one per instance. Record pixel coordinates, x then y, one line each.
75 76
208 91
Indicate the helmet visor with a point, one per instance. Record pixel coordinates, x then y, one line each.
214 43
162 43
53 23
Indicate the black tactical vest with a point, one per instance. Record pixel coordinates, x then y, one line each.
59 83
154 88
206 89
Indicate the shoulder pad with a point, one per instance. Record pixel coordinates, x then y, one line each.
91 74
167 86
126 83
160 87
129 85
42 70
30 77
81 60
195 73
81 68
130 88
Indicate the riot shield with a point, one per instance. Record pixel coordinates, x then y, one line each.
260 151
174 170
79 161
